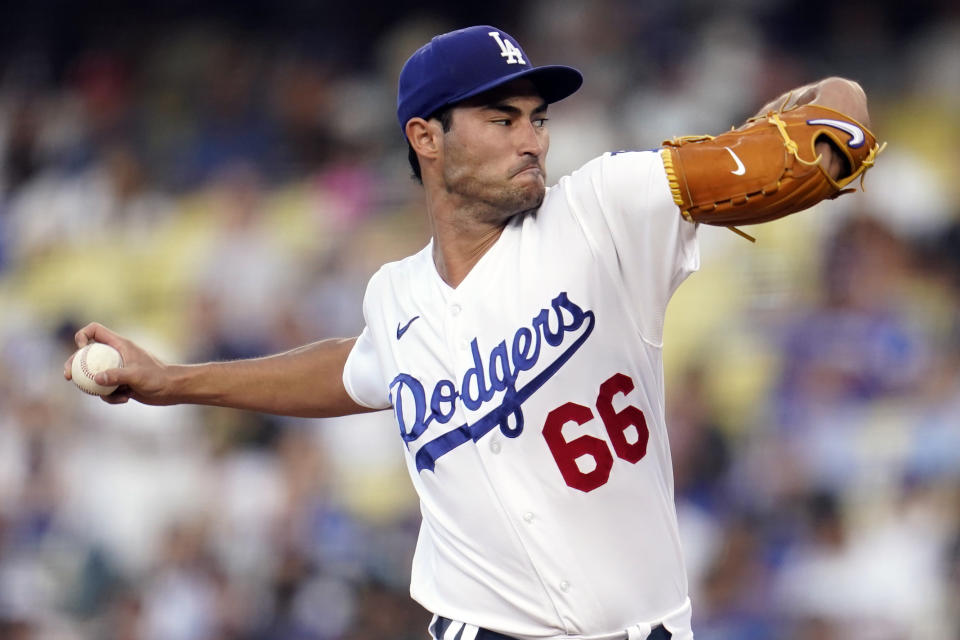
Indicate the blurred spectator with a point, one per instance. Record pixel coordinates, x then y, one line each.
58 210
883 580
853 350
179 598
21 156
735 601
856 347
243 319
701 454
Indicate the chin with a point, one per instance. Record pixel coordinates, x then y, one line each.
537 194
537 200
514 202
526 198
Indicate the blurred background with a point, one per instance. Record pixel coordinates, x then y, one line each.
219 179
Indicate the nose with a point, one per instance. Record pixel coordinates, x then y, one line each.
533 140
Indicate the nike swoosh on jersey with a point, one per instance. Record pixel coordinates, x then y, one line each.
740 170
402 330
856 133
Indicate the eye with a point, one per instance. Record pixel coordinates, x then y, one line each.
502 121
540 122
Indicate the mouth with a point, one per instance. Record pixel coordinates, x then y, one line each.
528 169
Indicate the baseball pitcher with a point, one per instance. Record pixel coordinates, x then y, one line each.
520 350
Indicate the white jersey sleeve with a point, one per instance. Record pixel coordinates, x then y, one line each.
363 375
623 202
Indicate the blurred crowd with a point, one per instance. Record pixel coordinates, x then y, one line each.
219 182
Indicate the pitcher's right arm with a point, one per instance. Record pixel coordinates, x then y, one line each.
303 382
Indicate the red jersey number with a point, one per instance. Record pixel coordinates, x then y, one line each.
585 462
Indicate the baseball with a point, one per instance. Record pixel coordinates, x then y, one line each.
91 360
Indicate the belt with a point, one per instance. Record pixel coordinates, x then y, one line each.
659 632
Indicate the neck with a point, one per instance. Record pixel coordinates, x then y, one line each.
460 239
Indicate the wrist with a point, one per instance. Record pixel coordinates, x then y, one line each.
184 383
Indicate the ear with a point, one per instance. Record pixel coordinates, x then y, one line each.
425 137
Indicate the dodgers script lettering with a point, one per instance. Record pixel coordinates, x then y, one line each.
497 373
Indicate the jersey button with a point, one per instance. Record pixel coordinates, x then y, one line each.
495 446
455 309
564 586
528 517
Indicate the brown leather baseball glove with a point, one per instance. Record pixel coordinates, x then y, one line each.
766 169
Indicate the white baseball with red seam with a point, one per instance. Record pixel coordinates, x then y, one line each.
91 360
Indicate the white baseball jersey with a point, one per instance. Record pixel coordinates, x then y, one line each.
530 400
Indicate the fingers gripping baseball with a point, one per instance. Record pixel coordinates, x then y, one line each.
141 377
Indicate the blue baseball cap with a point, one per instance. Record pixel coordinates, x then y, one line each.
461 64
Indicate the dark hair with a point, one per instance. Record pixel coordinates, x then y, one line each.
445 116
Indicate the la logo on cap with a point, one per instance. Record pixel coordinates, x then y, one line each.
461 64
507 49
